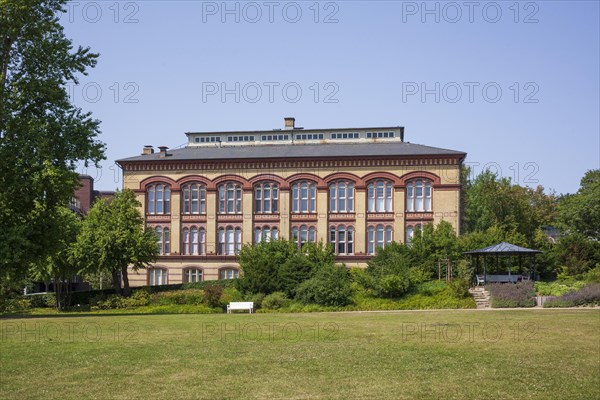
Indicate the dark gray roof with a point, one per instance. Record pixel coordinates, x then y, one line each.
298 151
503 248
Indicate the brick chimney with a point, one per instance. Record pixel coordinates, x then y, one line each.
290 122
163 150
148 149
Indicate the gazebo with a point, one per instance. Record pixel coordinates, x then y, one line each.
504 249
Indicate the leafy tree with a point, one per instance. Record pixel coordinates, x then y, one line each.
580 212
42 135
113 237
61 266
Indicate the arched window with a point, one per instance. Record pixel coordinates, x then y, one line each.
379 236
266 198
229 273
379 196
303 234
157 276
266 233
158 199
410 232
194 198
192 275
418 195
342 239
230 241
164 240
194 241
341 197
304 197
230 198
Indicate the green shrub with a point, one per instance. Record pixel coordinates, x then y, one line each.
43 300
212 295
329 287
229 295
392 286
593 275
14 305
187 296
275 301
257 299
459 287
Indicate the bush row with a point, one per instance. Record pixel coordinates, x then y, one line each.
587 296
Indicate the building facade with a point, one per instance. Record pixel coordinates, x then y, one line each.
356 188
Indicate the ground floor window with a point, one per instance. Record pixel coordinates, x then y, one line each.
229 273
193 275
303 234
158 276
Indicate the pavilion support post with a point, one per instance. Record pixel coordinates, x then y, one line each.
484 270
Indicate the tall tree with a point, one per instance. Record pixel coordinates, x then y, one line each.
580 212
42 135
113 237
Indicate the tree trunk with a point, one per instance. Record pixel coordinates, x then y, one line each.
116 281
126 291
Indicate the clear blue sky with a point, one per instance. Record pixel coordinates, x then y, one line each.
435 68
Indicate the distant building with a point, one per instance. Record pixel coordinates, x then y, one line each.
85 195
355 188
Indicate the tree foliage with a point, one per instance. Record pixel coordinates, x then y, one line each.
42 135
113 237
580 212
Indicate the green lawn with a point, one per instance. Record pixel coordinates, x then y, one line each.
460 354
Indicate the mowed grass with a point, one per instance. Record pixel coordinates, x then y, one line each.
458 354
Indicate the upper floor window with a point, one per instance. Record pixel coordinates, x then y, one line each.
342 239
418 195
164 240
303 234
379 236
230 198
229 273
159 199
341 197
230 241
194 199
379 196
193 275
266 198
194 241
157 276
304 197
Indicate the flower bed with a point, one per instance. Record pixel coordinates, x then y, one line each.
507 295
587 296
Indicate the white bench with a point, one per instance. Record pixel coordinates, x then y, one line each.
240 305
480 280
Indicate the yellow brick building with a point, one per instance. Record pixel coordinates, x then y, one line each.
356 188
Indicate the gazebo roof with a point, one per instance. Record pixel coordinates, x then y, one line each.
503 248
